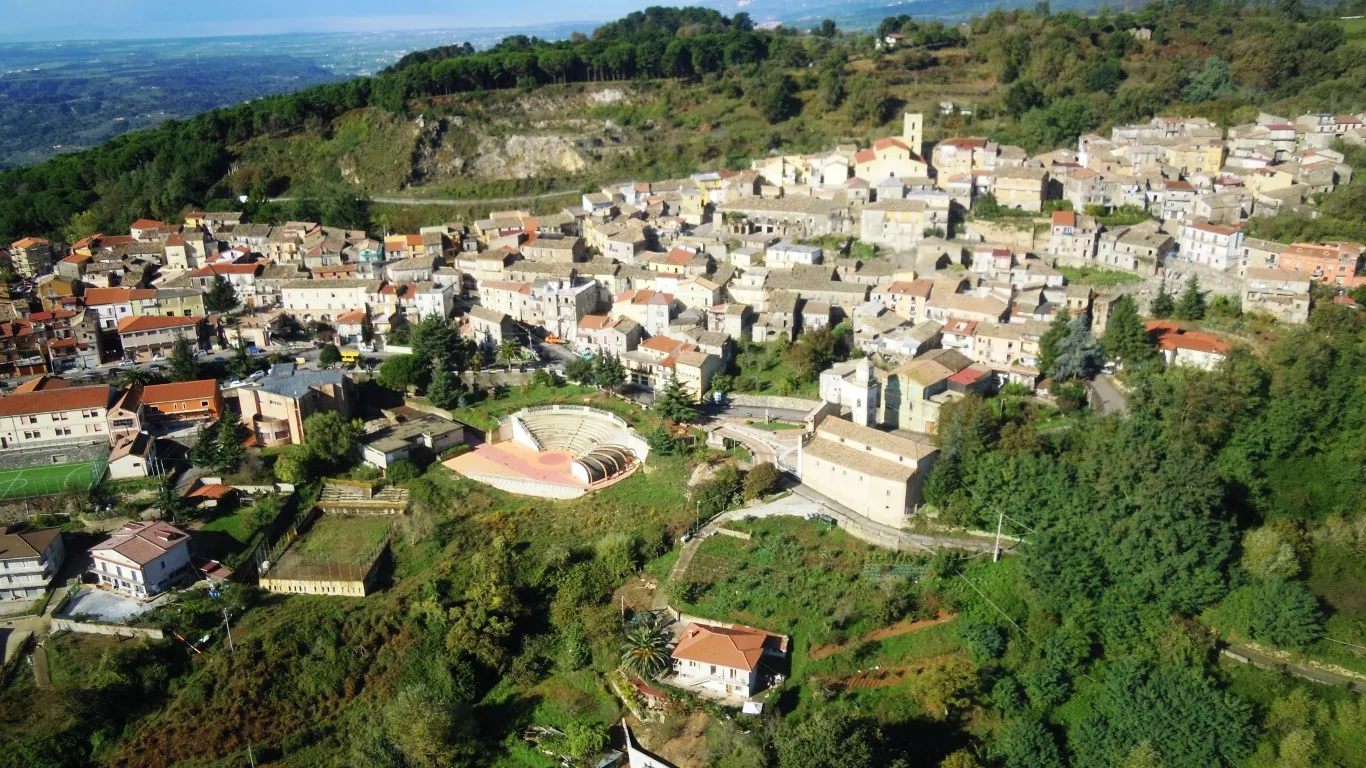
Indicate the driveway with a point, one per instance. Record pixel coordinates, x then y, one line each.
1108 397
107 607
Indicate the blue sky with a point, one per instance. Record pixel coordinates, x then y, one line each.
95 19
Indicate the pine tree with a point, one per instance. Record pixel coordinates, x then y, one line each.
1162 306
1191 305
1078 353
183 365
1125 338
444 390
204 453
608 372
673 403
230 453
1050 341
221 296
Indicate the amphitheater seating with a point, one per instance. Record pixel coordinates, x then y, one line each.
575 432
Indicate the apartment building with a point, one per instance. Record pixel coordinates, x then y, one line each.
29 561
1214 245
31 256
149 337
276 407
1328 263
55 417
1281 293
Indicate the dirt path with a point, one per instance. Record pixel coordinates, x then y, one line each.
1259 659
902 627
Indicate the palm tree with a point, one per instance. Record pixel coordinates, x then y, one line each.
134 375
509 350
646 650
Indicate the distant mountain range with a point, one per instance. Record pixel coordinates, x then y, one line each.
866 14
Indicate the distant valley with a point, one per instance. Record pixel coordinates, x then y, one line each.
63 96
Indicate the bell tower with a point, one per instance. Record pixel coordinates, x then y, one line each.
913 132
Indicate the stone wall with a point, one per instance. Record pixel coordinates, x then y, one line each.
772 401
86 628
335 587
1026 236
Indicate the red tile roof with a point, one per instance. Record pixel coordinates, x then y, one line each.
155 322
1064 218
29 242
225 269
54 400
143 542
203 389
1170 336
100 296
734 647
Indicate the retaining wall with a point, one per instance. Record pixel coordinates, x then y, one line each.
85 628
773 401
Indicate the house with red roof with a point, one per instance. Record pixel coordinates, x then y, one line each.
1180 346
728 660
142 559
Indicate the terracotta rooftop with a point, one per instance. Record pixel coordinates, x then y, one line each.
54 400
734 647
155 322
203 389
143 542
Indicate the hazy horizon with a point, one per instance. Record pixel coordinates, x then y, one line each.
86 20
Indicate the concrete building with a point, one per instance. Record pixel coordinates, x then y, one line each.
276 407
852 387
1281 293
29 561
875 474
55 417
1179 346
150 337
429 435
1022 188
142 559
31 256
325 299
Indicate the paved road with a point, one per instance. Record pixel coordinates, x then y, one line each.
1258 659
1109 397
450 201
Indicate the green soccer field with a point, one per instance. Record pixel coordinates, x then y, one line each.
43 481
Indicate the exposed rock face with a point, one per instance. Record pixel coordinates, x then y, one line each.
520 157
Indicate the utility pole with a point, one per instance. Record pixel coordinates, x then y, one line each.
228 628
996 551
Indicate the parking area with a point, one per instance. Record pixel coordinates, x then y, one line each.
103 606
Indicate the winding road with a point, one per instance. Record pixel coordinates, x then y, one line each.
447 201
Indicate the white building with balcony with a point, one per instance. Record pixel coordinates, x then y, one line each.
29 561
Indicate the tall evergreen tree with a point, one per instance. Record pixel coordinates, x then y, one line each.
673 403
1191 305
204 452
1078 353
608 372
231 433
221 296
240 365
1051 339
1125 338
183 365
1163 305
444 390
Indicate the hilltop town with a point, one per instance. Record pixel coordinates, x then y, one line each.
853 457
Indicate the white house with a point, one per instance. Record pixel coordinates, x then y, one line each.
852 385
142 559
787 254
724 660
1214 245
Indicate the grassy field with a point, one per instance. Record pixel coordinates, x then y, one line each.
761 370
816 584
775 426
337 540
1101 278
42 481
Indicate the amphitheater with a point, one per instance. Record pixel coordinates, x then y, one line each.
555 451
